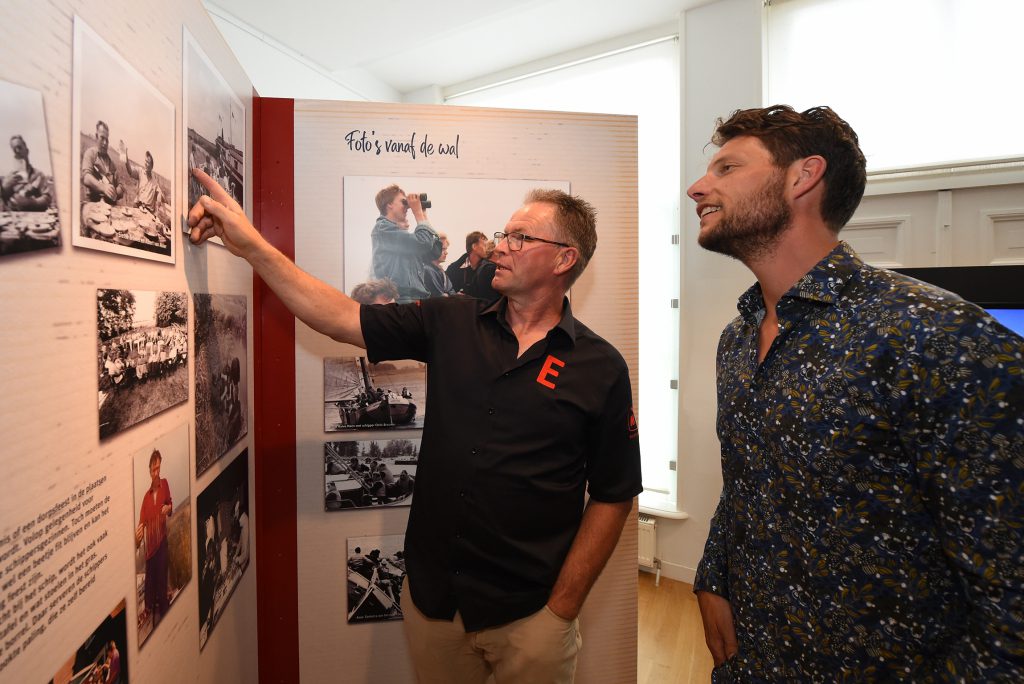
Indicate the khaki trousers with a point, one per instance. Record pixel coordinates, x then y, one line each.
537 649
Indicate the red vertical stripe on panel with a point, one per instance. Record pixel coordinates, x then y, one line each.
277 591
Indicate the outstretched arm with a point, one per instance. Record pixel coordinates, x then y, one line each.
596 539
312 301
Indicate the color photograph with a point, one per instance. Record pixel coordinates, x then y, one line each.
380 240
369 473
359 395
222 517
141 354
28 200
214 126
221 367
163 527
122 155
375 572
103 656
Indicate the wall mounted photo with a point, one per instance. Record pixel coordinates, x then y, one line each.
221 367
375 572
214 126
28 200
123 153
142 355
369 473
163 527
377 247
102 657
359 395
222 518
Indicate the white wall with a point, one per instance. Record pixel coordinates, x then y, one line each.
48 353
720 68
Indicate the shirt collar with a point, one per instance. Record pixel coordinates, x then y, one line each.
567 324
822 284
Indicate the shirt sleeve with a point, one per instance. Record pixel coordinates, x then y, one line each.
963 427
713 569
613 472
395 331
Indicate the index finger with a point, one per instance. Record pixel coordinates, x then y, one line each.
216 191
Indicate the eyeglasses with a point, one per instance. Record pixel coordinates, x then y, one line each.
516 240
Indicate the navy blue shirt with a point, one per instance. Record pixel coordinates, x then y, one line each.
509 447
871 519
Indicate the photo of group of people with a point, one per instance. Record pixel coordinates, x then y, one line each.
375 573
215 126
222 510
122 193
221 375
369 473
360 395
142 355
102 657
391 255
28 200
163 527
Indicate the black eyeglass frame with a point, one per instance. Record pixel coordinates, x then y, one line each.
520 238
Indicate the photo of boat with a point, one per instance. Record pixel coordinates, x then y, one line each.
360 395
370 473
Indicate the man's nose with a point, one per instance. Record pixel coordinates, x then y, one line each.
697 191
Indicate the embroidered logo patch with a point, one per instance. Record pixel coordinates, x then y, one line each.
631 426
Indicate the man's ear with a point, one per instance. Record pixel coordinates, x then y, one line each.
566 260
806 174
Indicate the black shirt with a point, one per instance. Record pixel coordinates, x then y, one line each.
508 449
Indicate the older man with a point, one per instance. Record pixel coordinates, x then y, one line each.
25 188
99 174
533 409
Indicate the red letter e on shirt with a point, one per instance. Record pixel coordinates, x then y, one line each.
547 370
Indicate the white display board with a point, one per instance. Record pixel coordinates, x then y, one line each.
345 146
69 565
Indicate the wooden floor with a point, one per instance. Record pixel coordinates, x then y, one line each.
670 642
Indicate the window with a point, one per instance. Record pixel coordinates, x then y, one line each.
621 83
923 82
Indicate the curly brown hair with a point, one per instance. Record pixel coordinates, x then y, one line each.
790 135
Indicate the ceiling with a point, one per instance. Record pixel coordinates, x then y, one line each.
413 44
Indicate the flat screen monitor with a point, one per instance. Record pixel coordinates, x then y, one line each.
997 289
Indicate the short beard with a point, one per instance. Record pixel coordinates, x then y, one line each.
751 230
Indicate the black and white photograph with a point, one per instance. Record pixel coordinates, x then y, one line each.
369 473
222 517
103 656
359 395
163 527
28 200
141 354
221 367
375 572
214 126
123 155
387 259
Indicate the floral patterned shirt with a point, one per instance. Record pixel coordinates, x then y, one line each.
871 519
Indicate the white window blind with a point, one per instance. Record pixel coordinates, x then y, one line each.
645 82
923 82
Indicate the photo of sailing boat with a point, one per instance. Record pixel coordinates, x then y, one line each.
359 395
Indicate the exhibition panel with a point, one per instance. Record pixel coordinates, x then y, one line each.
99 523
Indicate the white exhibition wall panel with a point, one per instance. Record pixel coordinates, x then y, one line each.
78 432
499 153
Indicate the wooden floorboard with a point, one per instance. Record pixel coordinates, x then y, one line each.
670 642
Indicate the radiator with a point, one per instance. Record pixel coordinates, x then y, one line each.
647 540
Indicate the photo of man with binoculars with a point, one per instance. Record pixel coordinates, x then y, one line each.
399 253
